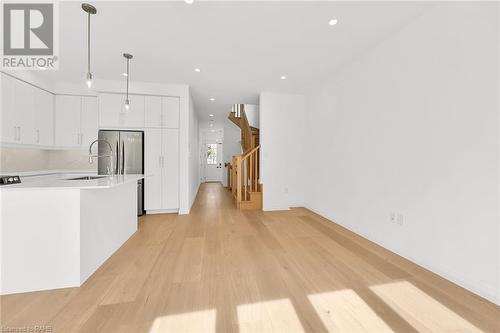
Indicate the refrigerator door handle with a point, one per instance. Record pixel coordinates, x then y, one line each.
123 157
117 159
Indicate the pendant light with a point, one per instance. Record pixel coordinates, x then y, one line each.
128 57
90 10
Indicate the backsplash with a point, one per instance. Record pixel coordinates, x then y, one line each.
32 159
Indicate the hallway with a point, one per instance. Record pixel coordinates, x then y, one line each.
226 270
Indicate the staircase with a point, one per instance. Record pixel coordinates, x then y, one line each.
244 171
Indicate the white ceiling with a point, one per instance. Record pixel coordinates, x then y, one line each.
242 48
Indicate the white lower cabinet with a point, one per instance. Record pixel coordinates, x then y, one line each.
153 169
170 172
161 169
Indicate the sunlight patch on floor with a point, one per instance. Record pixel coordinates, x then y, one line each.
417 308
278 316
345 311
198 321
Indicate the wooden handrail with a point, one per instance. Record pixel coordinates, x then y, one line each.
249 152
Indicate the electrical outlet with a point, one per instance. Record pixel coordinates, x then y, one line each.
400 220
393 217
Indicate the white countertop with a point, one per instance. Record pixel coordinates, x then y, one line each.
35 173
64 183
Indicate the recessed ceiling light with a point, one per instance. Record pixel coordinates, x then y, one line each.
212 99
189 2
283 77
211 115
211 125
333 22
197 70
124 74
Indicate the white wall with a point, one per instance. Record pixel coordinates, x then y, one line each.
194 157
282 118
252 112
413 128
231 144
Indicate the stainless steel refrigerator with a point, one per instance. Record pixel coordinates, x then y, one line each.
128 157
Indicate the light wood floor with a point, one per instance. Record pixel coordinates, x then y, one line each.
221 269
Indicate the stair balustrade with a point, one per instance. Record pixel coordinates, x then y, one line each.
243 173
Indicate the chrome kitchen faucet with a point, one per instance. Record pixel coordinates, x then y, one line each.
111 169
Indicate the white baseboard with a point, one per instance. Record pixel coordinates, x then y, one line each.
274 209
162 211
485 291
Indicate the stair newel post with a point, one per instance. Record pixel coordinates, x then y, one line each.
255 171
234 181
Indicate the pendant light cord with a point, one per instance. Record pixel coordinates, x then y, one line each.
88 43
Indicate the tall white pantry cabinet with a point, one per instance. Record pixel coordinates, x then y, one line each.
161 140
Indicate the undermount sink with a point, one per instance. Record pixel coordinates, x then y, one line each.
87 178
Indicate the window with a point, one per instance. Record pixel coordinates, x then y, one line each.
212 153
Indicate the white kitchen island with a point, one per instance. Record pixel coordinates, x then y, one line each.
56 232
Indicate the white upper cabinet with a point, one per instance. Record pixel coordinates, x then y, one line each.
153 114
89 120
67 123
109 110
20 113
161 112
24 95
134 116
9 123
76 121
44 118
170 106
112 112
